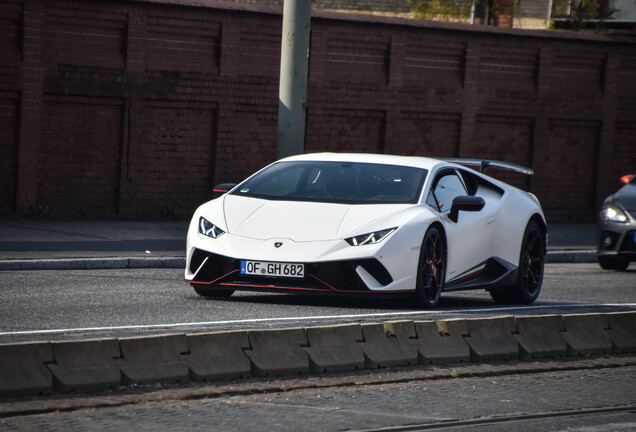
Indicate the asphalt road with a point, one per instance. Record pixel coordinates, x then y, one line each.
63 305
586 394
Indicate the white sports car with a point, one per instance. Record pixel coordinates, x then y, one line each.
370 224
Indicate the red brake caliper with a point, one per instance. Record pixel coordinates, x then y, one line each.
527 261
432 270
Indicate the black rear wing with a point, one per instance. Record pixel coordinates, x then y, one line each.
483 164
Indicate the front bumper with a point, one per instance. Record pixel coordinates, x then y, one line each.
617 240
352 276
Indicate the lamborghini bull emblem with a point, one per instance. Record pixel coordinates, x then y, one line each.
278 244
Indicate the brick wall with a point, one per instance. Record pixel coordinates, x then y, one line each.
391 6
137 108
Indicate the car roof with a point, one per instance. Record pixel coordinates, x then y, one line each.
408 161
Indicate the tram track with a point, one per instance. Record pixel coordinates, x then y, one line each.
450 425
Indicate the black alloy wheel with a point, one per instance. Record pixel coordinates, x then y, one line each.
531 265
431 273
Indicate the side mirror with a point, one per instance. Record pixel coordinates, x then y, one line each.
626 179
223 188
465 203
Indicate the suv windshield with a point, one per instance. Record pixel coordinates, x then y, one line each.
336 182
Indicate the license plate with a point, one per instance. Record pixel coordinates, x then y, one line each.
276 269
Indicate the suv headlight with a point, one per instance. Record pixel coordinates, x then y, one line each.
613 214
369 238
207 228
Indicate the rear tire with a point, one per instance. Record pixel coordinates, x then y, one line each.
206 291
530 270
431 269
608 263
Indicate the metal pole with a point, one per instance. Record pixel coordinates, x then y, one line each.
294 65
548 20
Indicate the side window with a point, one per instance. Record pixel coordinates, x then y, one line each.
445 188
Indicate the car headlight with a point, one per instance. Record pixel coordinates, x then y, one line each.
209 229
369 238
613 214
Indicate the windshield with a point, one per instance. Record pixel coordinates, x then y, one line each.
335 182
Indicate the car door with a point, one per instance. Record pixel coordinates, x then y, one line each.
470 239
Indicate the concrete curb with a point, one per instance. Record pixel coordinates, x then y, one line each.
571 256
85 367
213 356
579 256
389 344
23 369
622 328
92 263
278 352
587 334
149 360
335 348
442 341
492 339
45 367
540 337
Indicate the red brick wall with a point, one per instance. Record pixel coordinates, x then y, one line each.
74 172
9 149
137 108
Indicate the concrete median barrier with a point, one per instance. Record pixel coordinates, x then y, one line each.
23 371
218 355
36 368
491 338
541 336
149 360
442 341
389 344
587 334
85 365
622 331
335 348
278 352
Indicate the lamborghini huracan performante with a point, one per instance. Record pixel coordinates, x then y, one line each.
370 224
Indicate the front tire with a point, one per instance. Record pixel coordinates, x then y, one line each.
530 270
608 263
431 269
208 292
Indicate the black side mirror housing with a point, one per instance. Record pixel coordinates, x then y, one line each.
465 203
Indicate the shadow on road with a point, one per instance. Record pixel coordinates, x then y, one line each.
386 303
